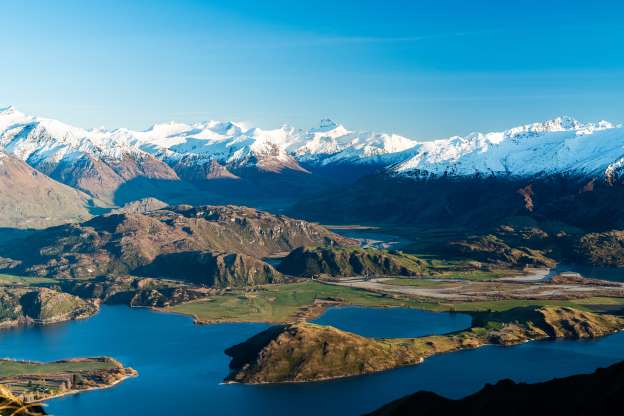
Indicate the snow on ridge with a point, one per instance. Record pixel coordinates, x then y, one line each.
43 138
559 144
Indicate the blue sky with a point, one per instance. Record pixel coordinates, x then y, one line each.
425 69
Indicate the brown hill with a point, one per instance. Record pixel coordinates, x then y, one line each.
30 199
350 261
204 244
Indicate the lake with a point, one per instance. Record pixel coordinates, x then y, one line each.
393 322
181 364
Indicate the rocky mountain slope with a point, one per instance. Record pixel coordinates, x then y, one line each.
535 170
349 261
117 166
583 395
214 245
559 170
30 199
308 352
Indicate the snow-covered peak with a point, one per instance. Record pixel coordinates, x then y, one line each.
560 145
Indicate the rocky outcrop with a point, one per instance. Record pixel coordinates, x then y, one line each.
30 199
308 352
598 393
132 291
41 306
350 261
141 206
208 245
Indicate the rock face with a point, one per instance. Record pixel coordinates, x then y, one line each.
41 306
30 199
349 261
558 397
208 244
308 352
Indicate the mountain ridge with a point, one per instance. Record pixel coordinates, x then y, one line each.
232 144
228 162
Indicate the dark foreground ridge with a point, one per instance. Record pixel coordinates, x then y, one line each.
599 393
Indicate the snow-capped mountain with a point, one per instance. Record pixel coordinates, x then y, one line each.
42 141
557 172
561 145
100 162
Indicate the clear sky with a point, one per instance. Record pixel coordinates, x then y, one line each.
425 69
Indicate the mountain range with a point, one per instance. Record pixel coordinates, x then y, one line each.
215 162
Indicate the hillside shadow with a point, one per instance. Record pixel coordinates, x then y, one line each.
191 266
166 190
8 234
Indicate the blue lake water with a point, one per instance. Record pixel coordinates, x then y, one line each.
181 365
393 322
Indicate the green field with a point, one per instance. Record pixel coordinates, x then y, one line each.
278 303
13 280
19 368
